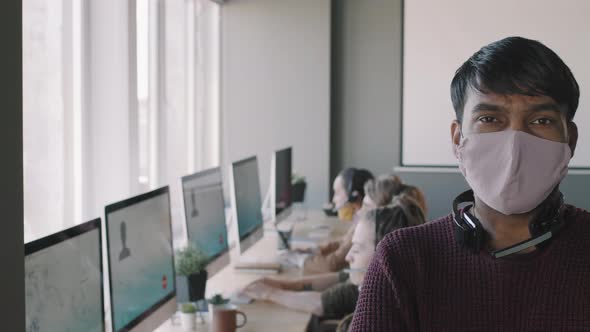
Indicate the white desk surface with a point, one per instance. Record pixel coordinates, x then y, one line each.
266 316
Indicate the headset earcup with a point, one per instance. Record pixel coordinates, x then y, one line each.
353 196
477 235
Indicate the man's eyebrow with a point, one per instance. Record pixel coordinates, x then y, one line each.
545 107
482 107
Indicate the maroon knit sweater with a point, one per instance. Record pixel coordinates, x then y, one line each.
421 280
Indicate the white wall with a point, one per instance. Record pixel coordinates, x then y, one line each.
440 35
276 86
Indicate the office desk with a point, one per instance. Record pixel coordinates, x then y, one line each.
265 316
262 316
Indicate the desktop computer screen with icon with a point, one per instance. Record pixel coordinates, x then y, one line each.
246 202
63 281
205 217
141 261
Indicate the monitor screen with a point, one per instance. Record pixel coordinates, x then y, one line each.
246 191
282 180
63 281
141 261
205 215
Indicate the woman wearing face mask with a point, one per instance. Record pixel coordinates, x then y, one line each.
334 295
349 191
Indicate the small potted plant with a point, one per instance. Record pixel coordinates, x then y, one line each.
298 188
215 303
187 316
191 276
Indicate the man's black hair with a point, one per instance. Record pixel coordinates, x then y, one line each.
516 65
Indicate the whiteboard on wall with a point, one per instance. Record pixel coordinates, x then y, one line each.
440 35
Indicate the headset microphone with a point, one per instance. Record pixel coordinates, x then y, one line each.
357 270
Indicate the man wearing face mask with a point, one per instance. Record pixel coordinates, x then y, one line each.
512 256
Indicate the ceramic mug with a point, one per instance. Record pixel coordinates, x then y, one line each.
224 319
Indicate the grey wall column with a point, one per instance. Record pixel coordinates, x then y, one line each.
366 84
12 301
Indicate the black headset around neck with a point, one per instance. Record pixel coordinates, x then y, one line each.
469 232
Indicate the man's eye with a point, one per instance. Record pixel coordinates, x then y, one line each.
487 119
543 121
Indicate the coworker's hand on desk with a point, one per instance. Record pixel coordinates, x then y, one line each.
260 290
287 296
285 284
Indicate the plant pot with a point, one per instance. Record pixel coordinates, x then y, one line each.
188 321
298 192
191 288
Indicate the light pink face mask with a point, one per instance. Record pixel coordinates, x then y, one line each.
512 171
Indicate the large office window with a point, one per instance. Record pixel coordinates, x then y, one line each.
144 132
189 95
81 151
50 114
177 90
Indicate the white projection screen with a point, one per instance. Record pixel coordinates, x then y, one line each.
440 35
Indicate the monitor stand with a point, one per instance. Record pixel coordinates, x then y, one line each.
267 208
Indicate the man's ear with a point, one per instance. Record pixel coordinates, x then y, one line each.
455 135
572 130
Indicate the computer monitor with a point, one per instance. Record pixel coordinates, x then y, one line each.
246 202
63 281
278 199
281 166
205 217
141 261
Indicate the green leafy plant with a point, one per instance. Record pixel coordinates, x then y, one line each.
296 178
217 299
190 260
188 308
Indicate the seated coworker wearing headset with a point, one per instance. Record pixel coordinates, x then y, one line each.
348 197
515 258
334 295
